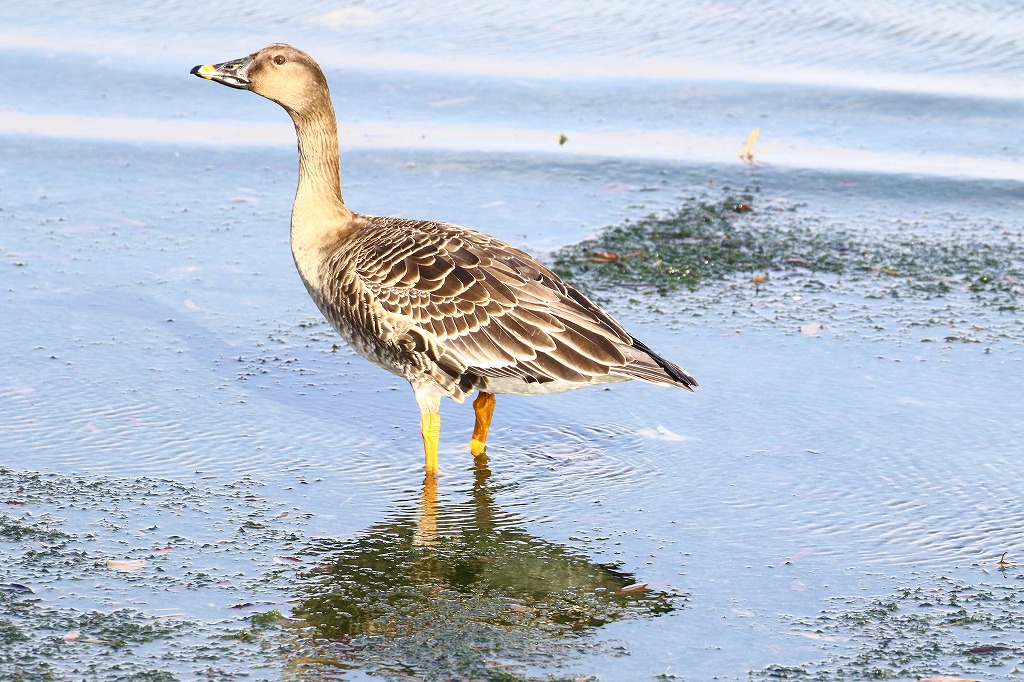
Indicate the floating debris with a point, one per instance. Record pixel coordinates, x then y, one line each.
812 328
125 566
747 152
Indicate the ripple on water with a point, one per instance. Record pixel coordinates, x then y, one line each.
564 463
907 510
917 37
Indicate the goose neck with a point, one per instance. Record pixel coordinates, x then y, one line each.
319 187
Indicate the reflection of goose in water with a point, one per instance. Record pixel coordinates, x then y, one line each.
444 590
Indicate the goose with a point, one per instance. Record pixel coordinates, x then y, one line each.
450 309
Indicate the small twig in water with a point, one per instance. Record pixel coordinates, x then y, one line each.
747 153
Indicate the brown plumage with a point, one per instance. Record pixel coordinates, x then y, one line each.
450 309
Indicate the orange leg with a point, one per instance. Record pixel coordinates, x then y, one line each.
484 408
430 427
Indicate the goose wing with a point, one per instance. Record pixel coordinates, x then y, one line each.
495 307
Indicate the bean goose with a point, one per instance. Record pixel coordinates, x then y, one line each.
450 309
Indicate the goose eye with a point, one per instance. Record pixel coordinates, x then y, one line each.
280 59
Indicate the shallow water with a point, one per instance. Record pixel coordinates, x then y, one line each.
171 395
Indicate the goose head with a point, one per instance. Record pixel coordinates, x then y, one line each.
279 72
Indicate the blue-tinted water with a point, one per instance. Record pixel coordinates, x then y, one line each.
153 325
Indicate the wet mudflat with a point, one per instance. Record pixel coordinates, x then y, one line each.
197 481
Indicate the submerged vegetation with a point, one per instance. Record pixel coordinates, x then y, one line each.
707 241
943 627
219 583
72 606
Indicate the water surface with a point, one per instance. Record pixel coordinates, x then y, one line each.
170 394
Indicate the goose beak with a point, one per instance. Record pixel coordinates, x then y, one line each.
232 73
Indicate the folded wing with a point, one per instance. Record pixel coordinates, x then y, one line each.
489 310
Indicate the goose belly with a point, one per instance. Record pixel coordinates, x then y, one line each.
516 386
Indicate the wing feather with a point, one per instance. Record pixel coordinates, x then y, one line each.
495 309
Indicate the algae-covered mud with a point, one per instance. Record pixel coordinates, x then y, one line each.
745 252
140 579
934 624
148 579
